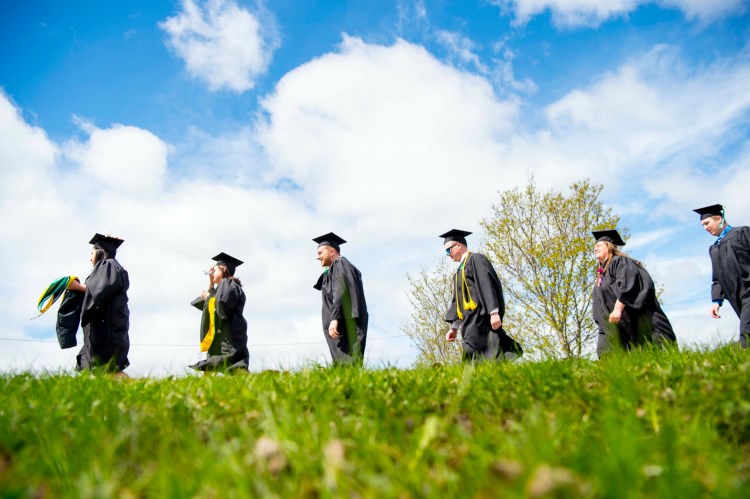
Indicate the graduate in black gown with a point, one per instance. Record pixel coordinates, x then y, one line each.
625 307
105 317
223 330
730 265
344 310
478 305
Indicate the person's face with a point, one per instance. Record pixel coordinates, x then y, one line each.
325 256
601 251
711 225
453 250
216 274
92 257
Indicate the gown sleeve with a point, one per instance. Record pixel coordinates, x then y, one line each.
198 303
488 285
632 283
102 284
339 289
717 293
227 297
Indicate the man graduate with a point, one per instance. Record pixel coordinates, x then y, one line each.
478 305
730 264
344 308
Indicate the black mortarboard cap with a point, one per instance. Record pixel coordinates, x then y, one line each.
457 235
609 235
107 243
331 240
229 261
710 211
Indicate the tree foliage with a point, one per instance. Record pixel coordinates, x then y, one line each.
430 294
542 247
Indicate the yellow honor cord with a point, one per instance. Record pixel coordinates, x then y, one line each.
209 337
471 304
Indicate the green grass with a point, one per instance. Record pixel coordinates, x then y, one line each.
655 424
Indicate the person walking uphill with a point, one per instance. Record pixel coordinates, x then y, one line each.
223 327
344 310
478 305
730 265
625 307
105 317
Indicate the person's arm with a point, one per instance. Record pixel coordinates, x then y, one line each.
77 285
451 316
717 294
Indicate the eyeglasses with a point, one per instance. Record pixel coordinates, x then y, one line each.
449 248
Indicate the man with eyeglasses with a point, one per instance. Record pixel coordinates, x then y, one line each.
344 310
478 306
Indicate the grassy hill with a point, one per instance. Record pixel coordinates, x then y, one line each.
661 424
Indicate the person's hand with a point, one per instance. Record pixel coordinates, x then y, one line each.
210 277
333 329
451 334
615 316
204 295
495 321
715 311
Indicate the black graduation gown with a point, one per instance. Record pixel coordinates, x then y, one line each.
105 318
643 321
344 300
69 318
730 263
480 341
228 350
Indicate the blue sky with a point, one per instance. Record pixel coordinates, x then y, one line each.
190 128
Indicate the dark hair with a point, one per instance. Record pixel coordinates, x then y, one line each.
226 275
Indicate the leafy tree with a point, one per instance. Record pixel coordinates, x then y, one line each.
430 294
542 247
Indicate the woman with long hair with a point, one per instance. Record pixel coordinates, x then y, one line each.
625 307
105 317
223 328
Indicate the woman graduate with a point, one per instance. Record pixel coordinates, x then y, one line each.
625 307
223 328
105 317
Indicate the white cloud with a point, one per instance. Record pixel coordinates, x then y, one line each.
570 13
121 158
381 133
222 43
639 121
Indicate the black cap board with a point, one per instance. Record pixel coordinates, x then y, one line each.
331 240
107 243
457 235
715 210
231 262
609 235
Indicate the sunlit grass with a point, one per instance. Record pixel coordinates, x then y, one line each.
662 424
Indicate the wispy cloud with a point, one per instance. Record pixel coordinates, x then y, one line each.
221 43
592 13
